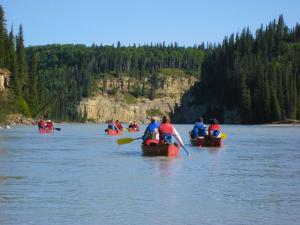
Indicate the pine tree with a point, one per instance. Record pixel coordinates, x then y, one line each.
22 66
245 106
2 38
32 83
275 106
12 63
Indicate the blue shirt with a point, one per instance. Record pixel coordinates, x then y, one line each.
199 129
152 127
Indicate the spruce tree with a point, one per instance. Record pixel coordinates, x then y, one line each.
22 65
245 105
275 106
2 38
32 83
12 64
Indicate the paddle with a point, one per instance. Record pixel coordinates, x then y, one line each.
57 128
124 141
182 145
185 150
223 135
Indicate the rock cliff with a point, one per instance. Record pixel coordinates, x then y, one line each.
114 99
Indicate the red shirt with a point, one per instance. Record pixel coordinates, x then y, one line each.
42 124
49 125
213 127
119 125
165 128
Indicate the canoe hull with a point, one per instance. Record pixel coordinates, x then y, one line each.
133 130
45 131
114 132
161 150
203 142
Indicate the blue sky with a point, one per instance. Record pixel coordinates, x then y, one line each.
187 22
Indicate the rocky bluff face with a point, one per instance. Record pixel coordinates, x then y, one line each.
114 98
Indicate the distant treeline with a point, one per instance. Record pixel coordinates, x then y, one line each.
257 75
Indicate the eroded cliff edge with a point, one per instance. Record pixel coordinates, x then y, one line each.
114 98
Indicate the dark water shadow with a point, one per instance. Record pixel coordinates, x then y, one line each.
215 150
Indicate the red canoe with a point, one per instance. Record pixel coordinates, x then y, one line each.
204 142
46 130
113 132
133 130
161 150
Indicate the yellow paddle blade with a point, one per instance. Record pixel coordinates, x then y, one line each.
223 135
124 141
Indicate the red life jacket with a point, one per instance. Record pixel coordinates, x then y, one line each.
119 125
165 128
49 125
213 127
42 124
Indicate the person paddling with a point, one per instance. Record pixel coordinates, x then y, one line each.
151 135
49 124
135 126
214 129
199 129
42 124
112 125
119 125
167 132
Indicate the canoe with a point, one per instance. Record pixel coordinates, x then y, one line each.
133 130
46 130
161 150
113 132
204 142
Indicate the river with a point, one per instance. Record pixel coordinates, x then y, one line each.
79 175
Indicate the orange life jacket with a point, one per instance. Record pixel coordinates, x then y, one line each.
165 128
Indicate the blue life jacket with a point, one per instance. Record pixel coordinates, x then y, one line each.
199 130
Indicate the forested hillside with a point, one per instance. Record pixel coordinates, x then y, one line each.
21 95
68 72
259 75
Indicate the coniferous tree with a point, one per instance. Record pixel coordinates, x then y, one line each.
22 65
2 38
12 64
32 83
275 106
245 108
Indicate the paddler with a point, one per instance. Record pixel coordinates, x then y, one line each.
214 129
199 129
135 126
151 134
119 125
42 124
167 132
49 124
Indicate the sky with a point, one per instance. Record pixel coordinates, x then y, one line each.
186 22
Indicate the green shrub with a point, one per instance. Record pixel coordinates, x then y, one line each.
153 112
129 99
23 107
